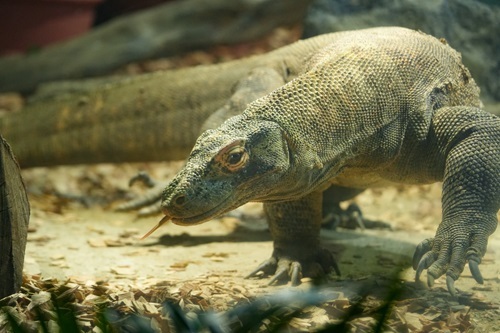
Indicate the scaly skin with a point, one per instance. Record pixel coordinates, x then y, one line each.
374 107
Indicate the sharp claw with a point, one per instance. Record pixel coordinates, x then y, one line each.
290 270
296 274
476 273
423 264
422 248
419 271
253 273
279 274
262 267
416 257
430 280
450 284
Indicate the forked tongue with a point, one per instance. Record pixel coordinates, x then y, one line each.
164 220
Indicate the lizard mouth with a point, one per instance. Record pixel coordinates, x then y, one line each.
202 217
198 219
191 220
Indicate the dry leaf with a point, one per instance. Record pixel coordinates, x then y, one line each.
96 242
123 270
181 265
114 242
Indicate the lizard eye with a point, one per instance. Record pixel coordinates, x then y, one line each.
236 158
233 157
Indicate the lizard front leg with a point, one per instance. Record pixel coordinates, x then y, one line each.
295 228
471 199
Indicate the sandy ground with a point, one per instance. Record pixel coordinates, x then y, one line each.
94 243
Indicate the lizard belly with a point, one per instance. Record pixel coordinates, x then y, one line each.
360 178
365 178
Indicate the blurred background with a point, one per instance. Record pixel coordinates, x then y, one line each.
46 40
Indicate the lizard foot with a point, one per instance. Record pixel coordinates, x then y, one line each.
283 268
148 203
350 218
448 252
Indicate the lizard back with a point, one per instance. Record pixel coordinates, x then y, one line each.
366 99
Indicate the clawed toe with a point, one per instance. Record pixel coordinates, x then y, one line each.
450 284
422 248
446 257
424 263
350 218
476 273
285 268
430 280
281 275
296 273
266 267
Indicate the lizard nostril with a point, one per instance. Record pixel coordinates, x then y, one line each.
180 200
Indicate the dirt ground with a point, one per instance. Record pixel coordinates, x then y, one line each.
88 243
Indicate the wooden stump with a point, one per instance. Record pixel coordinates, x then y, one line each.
14 219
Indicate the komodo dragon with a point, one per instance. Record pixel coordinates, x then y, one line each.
352 109
373 107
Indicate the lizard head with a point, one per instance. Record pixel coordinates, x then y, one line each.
238 162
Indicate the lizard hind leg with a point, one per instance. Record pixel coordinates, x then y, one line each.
148 203
350 218
295 227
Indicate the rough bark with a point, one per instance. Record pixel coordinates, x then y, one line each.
14 219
